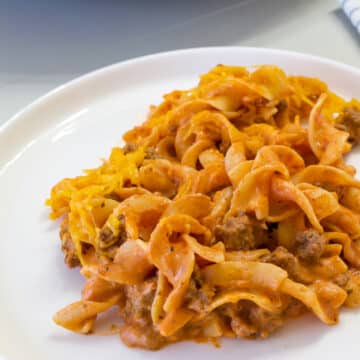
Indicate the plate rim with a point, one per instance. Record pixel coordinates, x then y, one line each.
58 90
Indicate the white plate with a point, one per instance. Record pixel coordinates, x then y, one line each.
69 130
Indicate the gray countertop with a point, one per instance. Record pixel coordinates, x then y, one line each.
46 43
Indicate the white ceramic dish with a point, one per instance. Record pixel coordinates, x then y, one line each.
69 130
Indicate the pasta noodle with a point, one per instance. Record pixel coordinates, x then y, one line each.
228 211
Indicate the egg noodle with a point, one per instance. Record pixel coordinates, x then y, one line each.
227 212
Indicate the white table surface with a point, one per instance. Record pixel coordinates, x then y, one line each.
46 43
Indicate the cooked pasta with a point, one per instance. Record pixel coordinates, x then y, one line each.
227 212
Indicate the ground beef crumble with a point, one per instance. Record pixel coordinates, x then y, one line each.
67 245
241 233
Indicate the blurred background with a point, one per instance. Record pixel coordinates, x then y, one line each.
44 43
